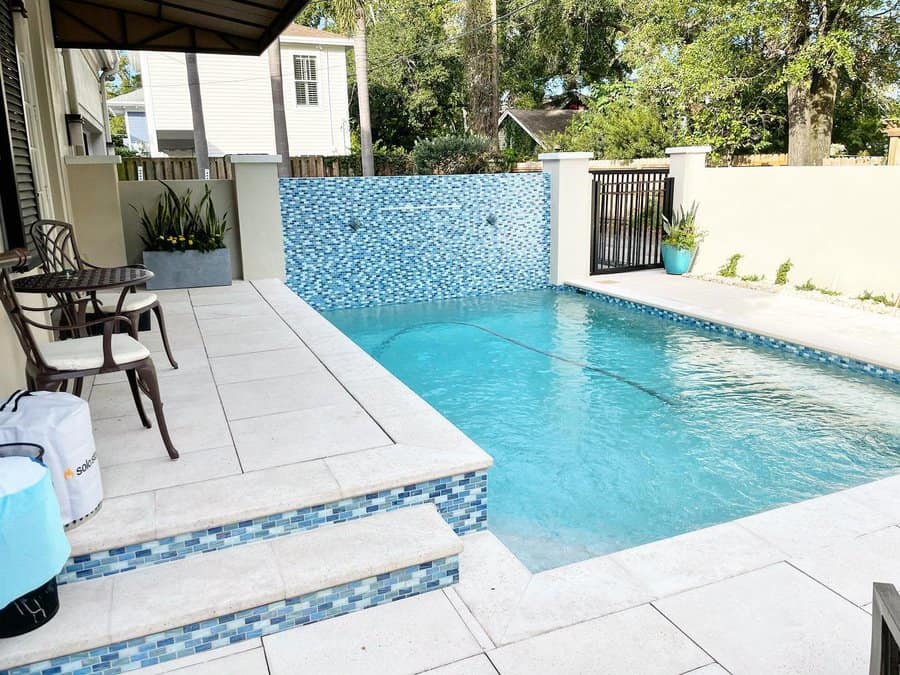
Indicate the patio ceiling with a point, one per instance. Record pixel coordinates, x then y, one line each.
215 26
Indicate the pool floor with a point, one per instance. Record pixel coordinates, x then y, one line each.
612 428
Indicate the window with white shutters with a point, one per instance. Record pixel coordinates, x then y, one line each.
18 196
306 81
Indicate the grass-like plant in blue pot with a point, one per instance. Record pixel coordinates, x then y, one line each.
680 240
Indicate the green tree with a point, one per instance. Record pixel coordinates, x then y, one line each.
555 46
126 78
737 72
416 77
617 125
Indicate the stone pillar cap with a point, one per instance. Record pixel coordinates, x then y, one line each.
565 155
689 150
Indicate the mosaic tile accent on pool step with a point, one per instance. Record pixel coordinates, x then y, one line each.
221 631
461 500
798 350
358 242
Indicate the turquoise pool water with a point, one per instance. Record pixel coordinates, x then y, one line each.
611 428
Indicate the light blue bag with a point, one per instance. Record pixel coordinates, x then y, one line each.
33 546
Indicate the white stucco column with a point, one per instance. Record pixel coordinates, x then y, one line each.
570 214
686 166
258 215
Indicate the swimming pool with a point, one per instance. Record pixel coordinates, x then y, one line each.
611 428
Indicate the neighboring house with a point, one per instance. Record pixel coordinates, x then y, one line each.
526 131
237 98
131 107
85 71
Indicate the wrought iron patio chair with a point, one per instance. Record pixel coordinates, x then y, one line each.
58 251
49 366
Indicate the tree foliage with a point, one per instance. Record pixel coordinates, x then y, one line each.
415 75
739 74
557 46
617 125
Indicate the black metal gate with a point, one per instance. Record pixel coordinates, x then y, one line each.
627 212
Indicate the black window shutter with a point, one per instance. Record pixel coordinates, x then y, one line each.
18 196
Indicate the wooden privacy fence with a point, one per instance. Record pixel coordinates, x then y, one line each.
312 166
779 159
170 168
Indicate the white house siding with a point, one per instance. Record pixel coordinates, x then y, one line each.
322 129
237 101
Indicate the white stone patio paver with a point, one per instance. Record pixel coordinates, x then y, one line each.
882 495
115 400
573 593
377 469
262 365
774 620
711 669
242 308
122 440
279 336
161 472
250 662
299 435
281 394
221 657
474 665
401 638
492 582
469 619
862 335
696 558
638 640
242 497
801 528
239 324
851 567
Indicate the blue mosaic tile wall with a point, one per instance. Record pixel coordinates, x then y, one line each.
798 350
461 500
357 242
247 624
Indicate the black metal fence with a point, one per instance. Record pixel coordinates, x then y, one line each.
627 212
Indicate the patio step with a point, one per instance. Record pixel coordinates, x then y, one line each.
176 609
149 528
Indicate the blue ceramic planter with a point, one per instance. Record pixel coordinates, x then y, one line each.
676 260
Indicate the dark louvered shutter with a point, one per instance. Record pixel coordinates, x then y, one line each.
18 197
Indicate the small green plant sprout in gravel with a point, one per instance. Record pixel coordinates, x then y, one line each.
781 276
753 277
729 269
810 286
883 299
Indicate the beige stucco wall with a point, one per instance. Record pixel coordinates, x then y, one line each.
96 213
145 194
839 225
44 92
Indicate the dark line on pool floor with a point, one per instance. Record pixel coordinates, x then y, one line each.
586 366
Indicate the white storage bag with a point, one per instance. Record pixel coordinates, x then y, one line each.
61 424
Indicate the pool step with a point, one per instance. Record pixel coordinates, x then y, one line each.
176 609
146 529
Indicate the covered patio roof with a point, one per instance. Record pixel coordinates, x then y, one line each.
214 26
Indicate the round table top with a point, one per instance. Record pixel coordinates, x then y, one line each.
76 281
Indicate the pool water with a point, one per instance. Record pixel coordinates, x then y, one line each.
611 428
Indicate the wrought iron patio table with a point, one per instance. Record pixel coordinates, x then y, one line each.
66 285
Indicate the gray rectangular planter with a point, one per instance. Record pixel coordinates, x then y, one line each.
188 269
